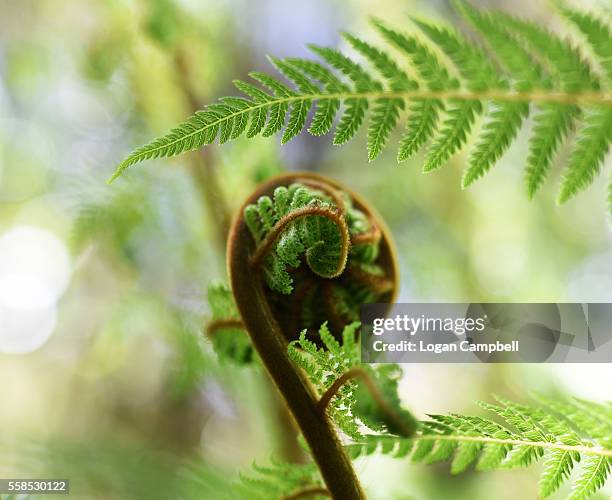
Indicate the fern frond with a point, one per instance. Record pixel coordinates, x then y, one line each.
352 407
597 34
595 471
454 133
569 72
499 130
386 111
551 127
423 114
325 364
595 136
521 67
327 109
277 480
478 74
300 220
504 118
592 144
529 434
566 64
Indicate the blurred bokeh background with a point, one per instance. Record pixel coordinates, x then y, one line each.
105 376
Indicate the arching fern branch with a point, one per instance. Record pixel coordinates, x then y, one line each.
560 433
520 69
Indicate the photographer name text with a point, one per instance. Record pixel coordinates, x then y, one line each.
438 348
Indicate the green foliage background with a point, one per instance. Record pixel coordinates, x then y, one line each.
127 389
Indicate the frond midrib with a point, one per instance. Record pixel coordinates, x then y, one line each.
503 95
587 450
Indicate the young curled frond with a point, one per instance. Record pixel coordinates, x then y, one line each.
319 253
304 247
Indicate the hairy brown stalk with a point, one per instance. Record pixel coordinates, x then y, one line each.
372 236
360 373
333 193
333 316
308 492
261 319
379 283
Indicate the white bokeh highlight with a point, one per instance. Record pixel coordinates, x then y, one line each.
34 273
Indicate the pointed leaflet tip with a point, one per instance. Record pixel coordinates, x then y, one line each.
374 21
431 165
118 171
564 195
421 23
531 193
314 47
273 60
379 24
470 176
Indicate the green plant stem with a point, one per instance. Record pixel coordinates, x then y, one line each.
269 341
587 450
202 165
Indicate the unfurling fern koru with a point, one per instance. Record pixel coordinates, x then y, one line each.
442 85
303 248
322 253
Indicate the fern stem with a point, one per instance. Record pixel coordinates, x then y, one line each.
308 492
598 451
202 165
360 373
271 344
372 236
381 284
219 324
333 193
